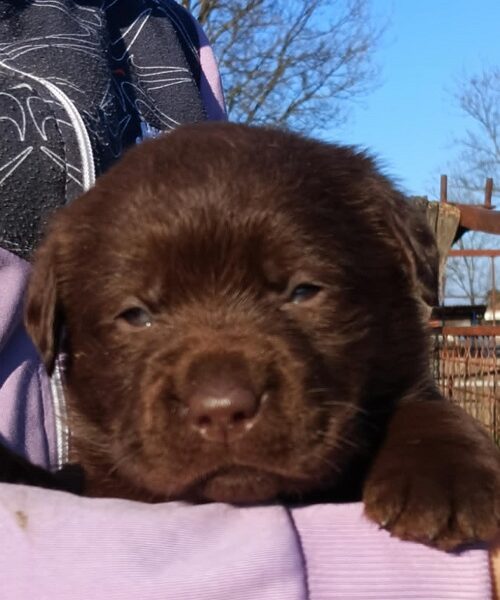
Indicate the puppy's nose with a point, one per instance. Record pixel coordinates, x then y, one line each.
223 412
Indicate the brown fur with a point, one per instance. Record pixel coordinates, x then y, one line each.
211 228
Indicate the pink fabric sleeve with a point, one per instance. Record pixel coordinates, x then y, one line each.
26 413
58 547
55 546
350 558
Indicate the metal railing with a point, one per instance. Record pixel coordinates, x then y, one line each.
466 359
466 365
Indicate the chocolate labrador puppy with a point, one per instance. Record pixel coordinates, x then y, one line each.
245 321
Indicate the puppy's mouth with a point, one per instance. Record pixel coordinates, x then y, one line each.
235 485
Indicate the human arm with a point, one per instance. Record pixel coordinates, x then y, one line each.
59 546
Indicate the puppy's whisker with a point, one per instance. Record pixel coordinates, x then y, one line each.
324 390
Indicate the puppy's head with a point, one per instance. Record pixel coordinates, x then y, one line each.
239 303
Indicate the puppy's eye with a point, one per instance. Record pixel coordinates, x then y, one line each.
304 292
137 317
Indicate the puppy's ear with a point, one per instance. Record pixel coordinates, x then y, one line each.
418 245
41 308
413 240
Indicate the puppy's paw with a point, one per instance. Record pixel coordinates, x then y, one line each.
442 496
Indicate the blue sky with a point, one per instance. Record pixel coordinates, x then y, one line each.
410 121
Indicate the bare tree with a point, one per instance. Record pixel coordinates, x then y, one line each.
478 97
297 63
478 157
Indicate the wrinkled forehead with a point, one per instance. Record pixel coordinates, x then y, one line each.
196 246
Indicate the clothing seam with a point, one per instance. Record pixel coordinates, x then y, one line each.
51 454
305 577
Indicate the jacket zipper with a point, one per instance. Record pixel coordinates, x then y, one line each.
88 180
